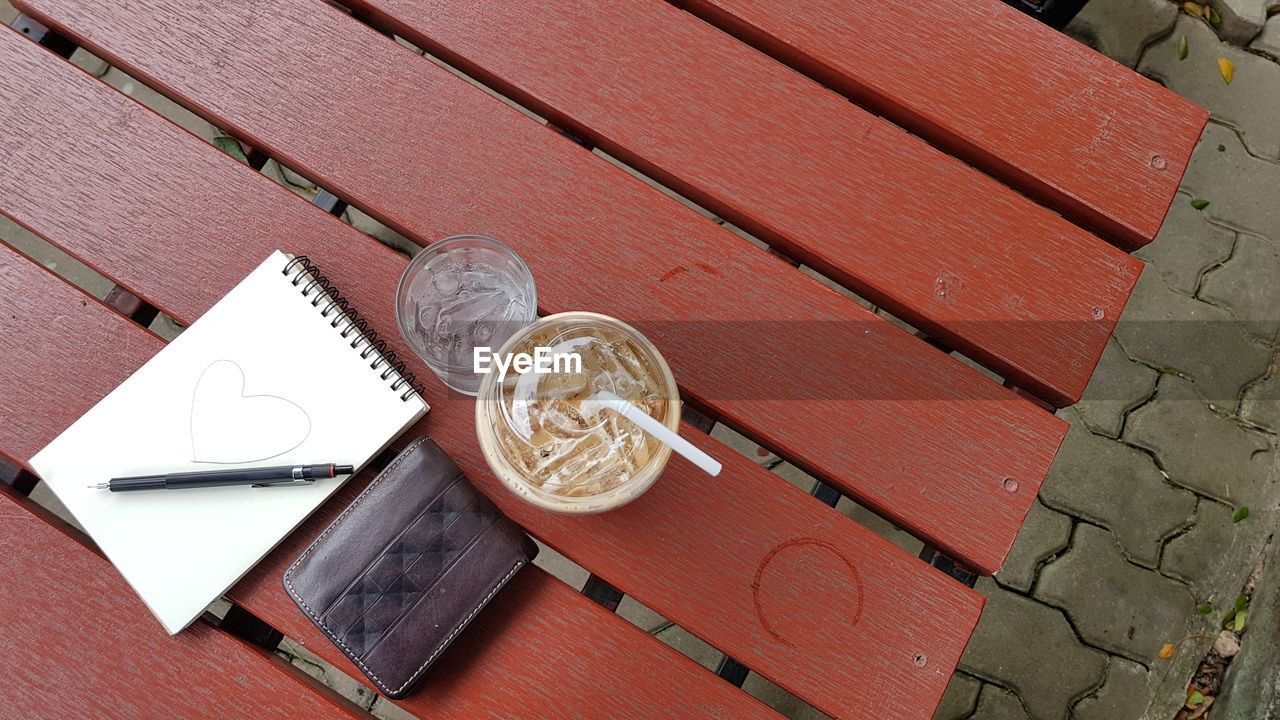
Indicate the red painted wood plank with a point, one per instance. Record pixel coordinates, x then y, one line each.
911 433
959 255
682 549
1060 122
78 643
539 650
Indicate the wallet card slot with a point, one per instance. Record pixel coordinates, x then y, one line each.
361 608
391 502
378 551
433 609
418 582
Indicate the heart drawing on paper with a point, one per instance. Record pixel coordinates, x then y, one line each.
228 426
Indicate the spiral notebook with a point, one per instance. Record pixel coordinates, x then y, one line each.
281 371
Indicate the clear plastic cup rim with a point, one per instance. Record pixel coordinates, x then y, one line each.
437 248
610 499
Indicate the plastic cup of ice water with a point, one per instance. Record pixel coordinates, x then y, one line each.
547 446
463 292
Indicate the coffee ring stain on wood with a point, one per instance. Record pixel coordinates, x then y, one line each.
803 549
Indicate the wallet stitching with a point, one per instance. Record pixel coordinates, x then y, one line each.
288 581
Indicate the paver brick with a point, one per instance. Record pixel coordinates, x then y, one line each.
788 705
1016 640
560 566
1115 605
690 645
388 710
345 685
1250 689
1200 449
1121 29
1242 20
996 703
1239 186
1186 246
641 616
837 287
1246 285
960 698
1175 333
744 445
1194 556
1250 103
1122 697
795 476
1268 41
383 234
854 511
74 271
1118 385
1119 487
1044 533
1261 404
118 79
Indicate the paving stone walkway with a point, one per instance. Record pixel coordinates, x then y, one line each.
1177 430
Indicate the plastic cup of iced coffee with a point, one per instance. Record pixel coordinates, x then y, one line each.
540 440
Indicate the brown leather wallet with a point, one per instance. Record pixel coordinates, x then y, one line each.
406 566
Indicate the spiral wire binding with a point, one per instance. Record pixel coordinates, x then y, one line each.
338 306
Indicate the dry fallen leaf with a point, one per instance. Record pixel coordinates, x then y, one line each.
1193 9
1166 652
1227 68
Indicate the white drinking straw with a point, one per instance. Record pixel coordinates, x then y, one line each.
607 400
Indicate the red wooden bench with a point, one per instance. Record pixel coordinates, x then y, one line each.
911 229
781 583
60 666
994 87
74 351
573 216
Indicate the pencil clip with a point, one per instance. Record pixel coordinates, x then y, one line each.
285 482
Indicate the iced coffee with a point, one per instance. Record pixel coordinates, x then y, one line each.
545 438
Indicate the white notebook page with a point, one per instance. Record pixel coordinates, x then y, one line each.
262 379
